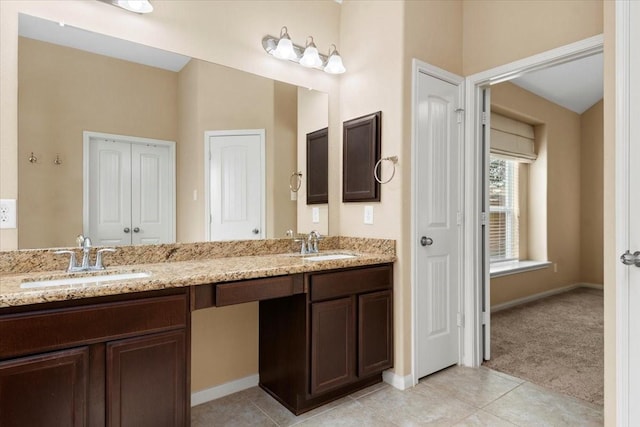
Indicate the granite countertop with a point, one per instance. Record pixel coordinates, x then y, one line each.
174 274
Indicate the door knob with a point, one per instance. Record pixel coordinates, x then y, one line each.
136 230
629 258
126 229
255 231
426 241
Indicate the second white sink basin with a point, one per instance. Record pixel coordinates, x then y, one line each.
328 257
84 280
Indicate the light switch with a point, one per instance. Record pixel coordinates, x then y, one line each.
368 214
315 215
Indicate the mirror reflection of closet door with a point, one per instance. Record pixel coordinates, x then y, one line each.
130 195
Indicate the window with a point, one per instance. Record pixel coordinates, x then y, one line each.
503 209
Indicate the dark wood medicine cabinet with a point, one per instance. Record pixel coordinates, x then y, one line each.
318 167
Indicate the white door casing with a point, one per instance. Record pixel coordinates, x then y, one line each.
474 155
235 184
627 211
437 154
129 189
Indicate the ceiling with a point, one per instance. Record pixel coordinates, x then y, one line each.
575 85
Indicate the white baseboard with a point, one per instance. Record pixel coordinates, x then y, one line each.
397 381
541 295
225 389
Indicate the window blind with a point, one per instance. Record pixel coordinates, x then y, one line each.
503 209
512 138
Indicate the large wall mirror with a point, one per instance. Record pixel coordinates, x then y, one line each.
73 82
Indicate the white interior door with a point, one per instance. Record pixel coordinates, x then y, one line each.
438 205
236 184
109 201
129 190
150 195
628 235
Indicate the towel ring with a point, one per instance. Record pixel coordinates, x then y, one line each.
393 160
295 181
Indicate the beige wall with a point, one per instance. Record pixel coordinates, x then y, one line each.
591 195
497 32
559 147
64 92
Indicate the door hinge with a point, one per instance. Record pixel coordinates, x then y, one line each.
460 112
460 218
483 218
484 117
485 318
460 320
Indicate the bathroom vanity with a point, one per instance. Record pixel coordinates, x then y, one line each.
103 357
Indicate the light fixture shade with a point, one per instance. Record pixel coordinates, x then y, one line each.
284 48
334 64
138 6
310 57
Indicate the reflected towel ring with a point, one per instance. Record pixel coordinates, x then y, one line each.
393 160
295 181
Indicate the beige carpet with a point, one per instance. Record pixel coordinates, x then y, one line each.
556 342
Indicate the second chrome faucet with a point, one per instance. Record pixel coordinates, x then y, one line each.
308 244
85 265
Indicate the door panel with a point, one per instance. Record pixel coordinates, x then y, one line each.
146 381
438 203
236 175
109 192
45 390
333 361
151 195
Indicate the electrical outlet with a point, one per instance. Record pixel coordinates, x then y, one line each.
555 267
8 213
315 215
294 196
368 214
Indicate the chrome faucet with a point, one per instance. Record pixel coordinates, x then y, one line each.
312 242
85 244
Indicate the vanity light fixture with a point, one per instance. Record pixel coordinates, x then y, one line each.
334 63
311 57
283 48
137 6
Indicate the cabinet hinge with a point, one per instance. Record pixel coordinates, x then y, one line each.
460 320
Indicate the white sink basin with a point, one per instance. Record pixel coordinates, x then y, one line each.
85 280
328 257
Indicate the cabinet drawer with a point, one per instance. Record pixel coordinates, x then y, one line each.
257 289
349 282
28 333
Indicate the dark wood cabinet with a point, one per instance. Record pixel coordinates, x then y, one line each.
334 339
318 167
146 380
45 390
333 350
115 361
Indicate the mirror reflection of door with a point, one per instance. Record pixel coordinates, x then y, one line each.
235 184
129 190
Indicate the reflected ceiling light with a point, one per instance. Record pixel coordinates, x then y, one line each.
137 6
311 57
283 48
334 63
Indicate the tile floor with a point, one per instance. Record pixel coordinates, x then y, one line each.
457 396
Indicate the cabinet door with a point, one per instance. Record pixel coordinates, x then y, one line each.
332 344
146 384
375 333
45 390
